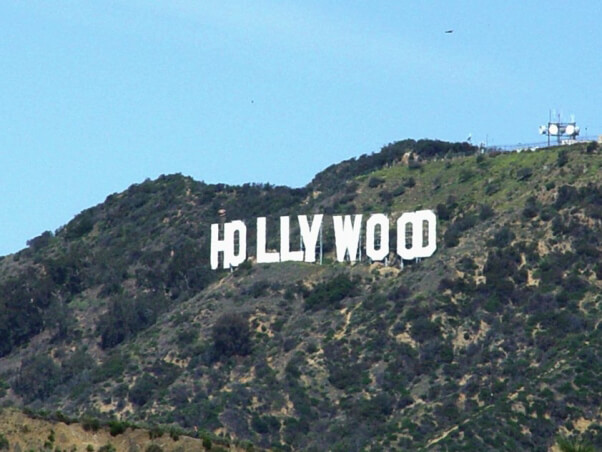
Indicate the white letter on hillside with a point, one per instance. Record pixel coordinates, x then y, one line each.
310 235
417 249
217 246
232 228
226 246
347 236
285 243
378 219
263 257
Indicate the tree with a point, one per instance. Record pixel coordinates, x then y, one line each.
38 376
143 389
125 317
330 292
231 335
592 146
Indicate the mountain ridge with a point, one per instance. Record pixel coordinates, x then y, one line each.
127 320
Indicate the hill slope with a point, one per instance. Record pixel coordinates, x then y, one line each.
19 431
494 342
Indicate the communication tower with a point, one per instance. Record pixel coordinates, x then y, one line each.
560 129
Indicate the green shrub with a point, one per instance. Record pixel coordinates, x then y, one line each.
257 289
375 182
3 388
112 367
174 434
143 389
423 329
531 209
41 241
4 444
311 348
451 238
126 317
265 424
107 448
117 427
231 335
465 175
524 173
154 448
80 225
400 190
573 445
188 336
90 424
502 238
592 146
492 188
443 212
409 182
38 376
562 159
330 293
414 165
155 432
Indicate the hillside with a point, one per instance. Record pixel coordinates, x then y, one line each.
492 343
26 432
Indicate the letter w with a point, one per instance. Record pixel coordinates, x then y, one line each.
347 236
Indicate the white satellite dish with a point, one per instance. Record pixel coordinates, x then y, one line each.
553 129
570 129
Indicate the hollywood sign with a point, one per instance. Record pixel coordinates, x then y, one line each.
416 238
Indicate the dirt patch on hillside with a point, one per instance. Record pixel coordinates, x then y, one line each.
24 433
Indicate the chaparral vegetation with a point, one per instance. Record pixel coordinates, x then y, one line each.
116 323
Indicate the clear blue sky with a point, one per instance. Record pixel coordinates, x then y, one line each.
95 96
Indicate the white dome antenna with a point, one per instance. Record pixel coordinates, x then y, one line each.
560 129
